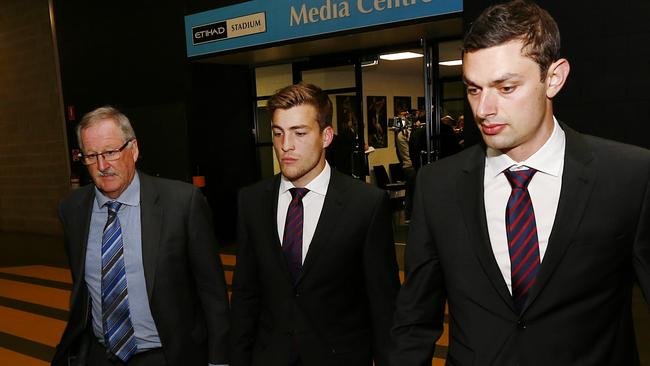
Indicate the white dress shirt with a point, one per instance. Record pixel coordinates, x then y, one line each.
544 189
312 204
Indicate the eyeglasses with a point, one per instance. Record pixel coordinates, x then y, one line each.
109 155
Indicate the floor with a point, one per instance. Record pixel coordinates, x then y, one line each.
35 286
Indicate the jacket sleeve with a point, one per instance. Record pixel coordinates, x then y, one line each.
208 276
641 246
245 295
419 314
381 276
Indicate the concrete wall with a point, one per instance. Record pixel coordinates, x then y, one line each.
34 172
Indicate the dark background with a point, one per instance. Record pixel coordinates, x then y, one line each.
192 117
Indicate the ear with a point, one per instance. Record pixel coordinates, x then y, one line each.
557 75
328 135
135 150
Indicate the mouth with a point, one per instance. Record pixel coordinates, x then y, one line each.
288 160
107 174
492 128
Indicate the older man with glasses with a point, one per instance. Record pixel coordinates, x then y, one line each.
148 286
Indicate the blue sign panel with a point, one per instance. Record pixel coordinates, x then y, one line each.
259 22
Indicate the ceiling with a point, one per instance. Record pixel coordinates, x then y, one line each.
384 39
449 50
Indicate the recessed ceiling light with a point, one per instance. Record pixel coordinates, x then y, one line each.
451 63
399 56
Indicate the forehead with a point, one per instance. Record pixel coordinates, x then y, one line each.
304 115
493 63
105 131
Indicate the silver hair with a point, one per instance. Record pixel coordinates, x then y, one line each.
104 113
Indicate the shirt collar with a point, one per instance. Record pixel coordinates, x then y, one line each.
548 159
317 185
130 197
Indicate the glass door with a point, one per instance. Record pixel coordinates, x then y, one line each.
445 95
341 80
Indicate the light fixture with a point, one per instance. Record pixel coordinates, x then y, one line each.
451 63
369 63
400 56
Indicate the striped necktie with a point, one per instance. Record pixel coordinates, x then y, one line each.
292 239
521 230
119 337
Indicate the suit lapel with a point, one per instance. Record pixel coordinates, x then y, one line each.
85 206
470 193
151 215
270 212
578 179
327 222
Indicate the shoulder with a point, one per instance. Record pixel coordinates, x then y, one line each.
608 155
261 188
165 184
351 187
617 150
167 192
449 168
76 197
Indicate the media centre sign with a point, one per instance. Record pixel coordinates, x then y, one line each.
260 22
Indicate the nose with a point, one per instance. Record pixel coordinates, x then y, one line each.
102 163
487 105
287 142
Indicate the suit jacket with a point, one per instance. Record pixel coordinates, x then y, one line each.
183 273
578 311
340 310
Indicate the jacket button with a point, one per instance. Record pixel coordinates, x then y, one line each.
521 324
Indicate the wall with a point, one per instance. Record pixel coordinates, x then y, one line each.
34 172
376 82
379 83
222 146
130 55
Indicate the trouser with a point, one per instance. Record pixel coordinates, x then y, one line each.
97 356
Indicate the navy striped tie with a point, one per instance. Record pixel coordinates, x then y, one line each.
292 239
521 230
119 337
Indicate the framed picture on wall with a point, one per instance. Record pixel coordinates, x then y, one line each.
377 122
401 104
346 115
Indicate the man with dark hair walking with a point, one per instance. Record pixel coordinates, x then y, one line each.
533 237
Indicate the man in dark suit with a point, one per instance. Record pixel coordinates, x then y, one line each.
148 287
534 238
316 275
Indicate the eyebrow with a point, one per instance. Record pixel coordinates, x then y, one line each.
290 128
505 77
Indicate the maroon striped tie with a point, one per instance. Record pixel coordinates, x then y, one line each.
292 239
521 230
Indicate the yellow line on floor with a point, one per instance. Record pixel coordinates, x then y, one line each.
444 338
228 259
228 275
438 362
42 272
35 294
26 325
11 358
